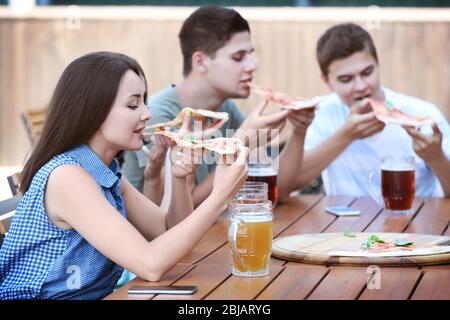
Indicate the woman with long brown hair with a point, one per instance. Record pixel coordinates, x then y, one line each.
80 222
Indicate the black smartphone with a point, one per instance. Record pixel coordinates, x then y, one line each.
162 290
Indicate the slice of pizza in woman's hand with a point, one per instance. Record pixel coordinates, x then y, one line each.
219 145
186 141
223 145
162 126
203 113
195 113
387 113
285 101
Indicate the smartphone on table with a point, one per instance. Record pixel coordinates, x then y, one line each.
162 290
342 211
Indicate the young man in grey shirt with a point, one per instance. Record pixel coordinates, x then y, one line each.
218 65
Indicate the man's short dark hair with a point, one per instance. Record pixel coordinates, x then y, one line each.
208 29
341 41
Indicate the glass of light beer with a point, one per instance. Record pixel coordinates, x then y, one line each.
250 238
398 186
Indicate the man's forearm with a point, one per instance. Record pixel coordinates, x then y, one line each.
441 168
317 159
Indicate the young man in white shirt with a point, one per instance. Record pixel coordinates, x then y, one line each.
346 142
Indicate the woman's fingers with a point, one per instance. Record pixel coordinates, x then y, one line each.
187 123
243 153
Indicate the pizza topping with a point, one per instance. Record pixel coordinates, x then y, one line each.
192 139
371 241
389 105
348 233
375 244
402 243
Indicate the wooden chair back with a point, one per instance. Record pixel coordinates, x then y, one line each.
14 183
7 209
34 123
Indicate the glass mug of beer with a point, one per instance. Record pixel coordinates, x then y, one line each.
250 238
398 185
265 172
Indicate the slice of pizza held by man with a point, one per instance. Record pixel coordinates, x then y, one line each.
285 101
387 113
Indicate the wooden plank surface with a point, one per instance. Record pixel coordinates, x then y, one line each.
341 284
394 223
395 284
433 218
316 219
369 211
447 231
294 283
174 274
243 288
286 214
206 277
434 285
212 240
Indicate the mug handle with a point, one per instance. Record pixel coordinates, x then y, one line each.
372 193
234 227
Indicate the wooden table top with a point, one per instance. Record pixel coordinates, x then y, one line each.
208 266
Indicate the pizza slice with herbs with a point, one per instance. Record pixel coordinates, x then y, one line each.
195 113
386 112
285 101
219 145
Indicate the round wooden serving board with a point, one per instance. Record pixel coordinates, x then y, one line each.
332 249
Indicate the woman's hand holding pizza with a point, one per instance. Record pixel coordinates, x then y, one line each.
229 177
156 156
184 160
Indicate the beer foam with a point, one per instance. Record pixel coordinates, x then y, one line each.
262 172
397 167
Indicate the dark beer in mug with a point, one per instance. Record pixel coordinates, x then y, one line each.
267 175
398 187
